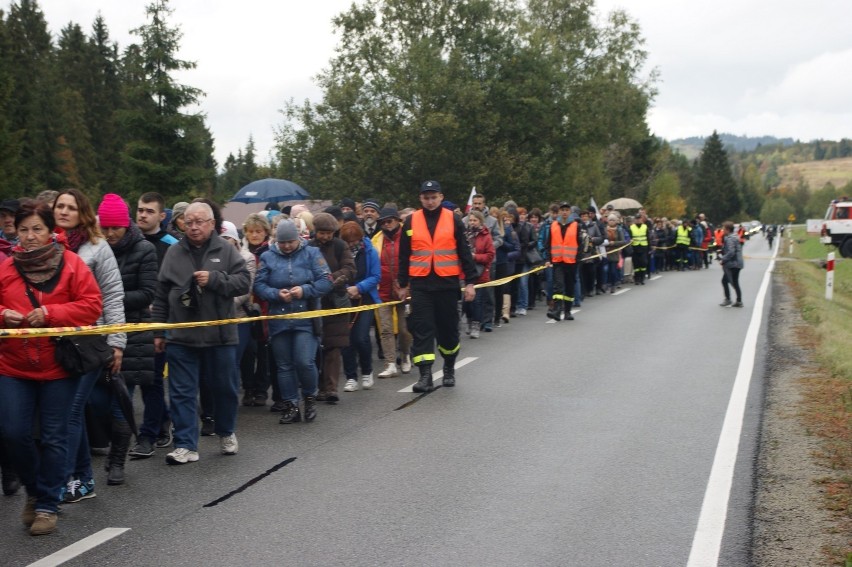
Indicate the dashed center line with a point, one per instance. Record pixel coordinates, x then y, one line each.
79 548
440 373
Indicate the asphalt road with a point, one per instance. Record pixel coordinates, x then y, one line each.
575 443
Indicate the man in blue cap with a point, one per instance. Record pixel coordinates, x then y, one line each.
433 256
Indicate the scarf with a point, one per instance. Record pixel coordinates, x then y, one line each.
76 237
40 265
130 237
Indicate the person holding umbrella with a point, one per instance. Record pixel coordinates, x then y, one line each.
137 263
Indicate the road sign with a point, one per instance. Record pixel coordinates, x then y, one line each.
791 218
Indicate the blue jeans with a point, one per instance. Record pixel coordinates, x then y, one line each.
523 288
295 356
473 309
78 463
223 380
42 471
359 347
155 413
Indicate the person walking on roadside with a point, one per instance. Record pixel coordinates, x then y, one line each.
732 262
391 317
199 278
639 239
482 248
291 278
434 254
559 244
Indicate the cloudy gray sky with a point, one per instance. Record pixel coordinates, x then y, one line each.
749 67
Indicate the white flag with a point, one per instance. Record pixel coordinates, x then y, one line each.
470 200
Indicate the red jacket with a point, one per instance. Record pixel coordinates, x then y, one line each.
483 252
74 301
388 249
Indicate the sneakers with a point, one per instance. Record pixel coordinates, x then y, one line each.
351 385
726 303
142 450
166 437
474 333
367 381
520 312
77 490
44 523
228 444
181 456
310 408
390 371
208 427
738 304
406 364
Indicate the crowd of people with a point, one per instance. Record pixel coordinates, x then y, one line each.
413 274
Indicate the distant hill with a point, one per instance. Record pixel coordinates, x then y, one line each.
691 147
816 174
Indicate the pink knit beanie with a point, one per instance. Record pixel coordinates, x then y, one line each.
113 211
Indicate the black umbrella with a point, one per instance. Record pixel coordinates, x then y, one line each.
270 191
119 389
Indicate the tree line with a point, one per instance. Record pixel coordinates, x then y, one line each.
538 101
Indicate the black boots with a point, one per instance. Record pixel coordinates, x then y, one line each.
291 414
310 408
119 445
449 379
425 382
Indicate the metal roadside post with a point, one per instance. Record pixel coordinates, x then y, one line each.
829 277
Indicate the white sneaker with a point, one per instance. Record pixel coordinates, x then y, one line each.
181 456
351 385
390 371
406 364
228 444
367 381
520 312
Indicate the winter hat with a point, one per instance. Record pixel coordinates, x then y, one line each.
113 211
286 231
347 203
371 204
229 230
389 213
324 221
179 208
336 212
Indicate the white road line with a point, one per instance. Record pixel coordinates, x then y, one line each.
79 548
652 278
619 292
440 373
707 540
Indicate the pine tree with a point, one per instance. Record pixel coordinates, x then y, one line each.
167 150
716 192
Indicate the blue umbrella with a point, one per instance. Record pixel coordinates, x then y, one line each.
270 191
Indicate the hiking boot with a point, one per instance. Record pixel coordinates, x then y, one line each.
208 427
181 456
77 490
351 385
43 524
260 399
143 449
367 381
290 413
390 371
277 407
228 444
425 382
405 366
119 444
28 513
310 408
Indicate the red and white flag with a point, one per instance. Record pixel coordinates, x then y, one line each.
470 200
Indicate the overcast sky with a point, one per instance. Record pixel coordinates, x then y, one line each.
748 67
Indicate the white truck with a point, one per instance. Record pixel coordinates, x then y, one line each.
836 228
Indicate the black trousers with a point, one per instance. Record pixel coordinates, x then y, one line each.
564 280
434 317
640 262
732 276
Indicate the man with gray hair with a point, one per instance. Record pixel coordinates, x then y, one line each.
198 280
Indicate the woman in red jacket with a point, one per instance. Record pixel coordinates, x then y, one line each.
32 384
482 248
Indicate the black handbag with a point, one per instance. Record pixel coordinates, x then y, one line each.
533 257
79 354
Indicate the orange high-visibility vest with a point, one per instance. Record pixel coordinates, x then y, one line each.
720 237
436 251
563 249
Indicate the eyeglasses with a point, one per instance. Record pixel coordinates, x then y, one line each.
192 223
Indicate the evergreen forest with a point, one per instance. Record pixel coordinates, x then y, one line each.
536 100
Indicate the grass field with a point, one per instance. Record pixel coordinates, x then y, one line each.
827 405
817 173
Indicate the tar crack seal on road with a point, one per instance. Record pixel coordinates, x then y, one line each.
256 479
